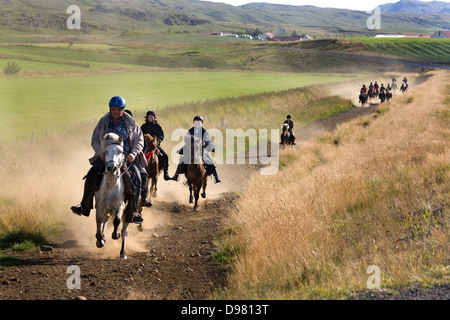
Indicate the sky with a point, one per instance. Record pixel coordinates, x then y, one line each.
343 4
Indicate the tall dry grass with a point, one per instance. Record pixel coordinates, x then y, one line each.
376 191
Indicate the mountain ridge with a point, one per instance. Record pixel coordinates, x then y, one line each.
201 16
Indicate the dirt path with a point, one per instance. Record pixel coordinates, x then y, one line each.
171 259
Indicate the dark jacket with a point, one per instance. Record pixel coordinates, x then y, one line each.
291 124
153 129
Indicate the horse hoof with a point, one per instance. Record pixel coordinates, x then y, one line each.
204 195
191 200
195 209
115 236
123 257
140 227
100 244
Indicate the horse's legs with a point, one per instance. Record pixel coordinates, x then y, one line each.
204 183
154 188
123 253
101 240
196 195
117 220
191 198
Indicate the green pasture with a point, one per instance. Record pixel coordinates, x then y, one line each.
40 104
436 50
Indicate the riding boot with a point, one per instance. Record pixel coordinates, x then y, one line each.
131 212
91 185
181 168
215 174
165 164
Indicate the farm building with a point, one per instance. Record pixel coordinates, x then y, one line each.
442 35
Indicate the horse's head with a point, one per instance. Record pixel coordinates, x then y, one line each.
285 127
112 145
152 143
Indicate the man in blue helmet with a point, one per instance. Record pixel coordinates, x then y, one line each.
208 146
119 122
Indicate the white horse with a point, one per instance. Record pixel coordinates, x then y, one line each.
110 198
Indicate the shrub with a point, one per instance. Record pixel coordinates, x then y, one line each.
11 68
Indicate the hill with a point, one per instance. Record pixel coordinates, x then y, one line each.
191 16
417 7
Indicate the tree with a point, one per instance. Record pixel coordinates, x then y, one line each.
11 68
294 33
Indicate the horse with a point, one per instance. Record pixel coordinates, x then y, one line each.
404 87
286 135
196 174
373 94
388 95
394 86
363 98
152 168
110 198
382 96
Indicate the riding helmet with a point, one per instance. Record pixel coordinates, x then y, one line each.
150 113
118 102
198 118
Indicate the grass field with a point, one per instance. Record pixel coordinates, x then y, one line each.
39 104
373 192
426 49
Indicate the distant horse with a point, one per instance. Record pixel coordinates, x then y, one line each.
363 98
153 169
196 172
382 96
394 86
373 94
286 135
404 87
388 95
110 198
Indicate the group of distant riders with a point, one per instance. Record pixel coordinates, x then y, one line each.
375 91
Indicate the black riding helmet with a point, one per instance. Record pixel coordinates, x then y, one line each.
198 118
150 113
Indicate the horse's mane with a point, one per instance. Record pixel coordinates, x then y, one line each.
111 138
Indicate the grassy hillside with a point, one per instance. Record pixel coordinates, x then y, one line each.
374 192
433 50
190 16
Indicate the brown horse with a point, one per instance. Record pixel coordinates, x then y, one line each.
196 173
285 137
153 165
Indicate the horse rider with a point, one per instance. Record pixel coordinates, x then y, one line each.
207 145
389 88
119 122
363 90
363 93
144 178
152 127
382 88
290 123
376 87
371 88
